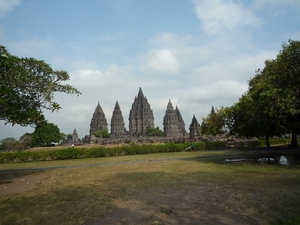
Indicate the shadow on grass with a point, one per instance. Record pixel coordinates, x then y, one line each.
181 188
7 177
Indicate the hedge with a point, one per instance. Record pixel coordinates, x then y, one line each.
79 153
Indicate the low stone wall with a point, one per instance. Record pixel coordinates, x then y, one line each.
234 141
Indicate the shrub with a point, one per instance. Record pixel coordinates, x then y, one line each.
102 133
77 153
154 132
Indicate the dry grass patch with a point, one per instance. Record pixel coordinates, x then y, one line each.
86 194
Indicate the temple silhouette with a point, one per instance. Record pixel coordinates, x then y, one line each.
141 118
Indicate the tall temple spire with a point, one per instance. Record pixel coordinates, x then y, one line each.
195 128
98 121
140 116
117 122
173 122
212 110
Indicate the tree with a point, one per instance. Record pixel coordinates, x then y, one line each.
151 131
65 138
102 133
27 87
249 119
214 123
9 144
25 139
272 104
8 140
284 75
45 134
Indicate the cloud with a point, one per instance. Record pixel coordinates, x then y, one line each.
8 5
162 60
217 16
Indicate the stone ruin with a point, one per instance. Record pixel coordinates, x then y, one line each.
195 128
117 123
173 123
74 136
140 119
140 116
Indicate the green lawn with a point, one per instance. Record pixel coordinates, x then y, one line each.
85 193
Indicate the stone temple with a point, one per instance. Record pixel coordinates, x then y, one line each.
195 129
141 116
140 120
173 123
117 123
98 121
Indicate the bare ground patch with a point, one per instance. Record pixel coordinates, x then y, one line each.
190 205
15 183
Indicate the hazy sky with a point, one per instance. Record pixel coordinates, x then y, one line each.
196 53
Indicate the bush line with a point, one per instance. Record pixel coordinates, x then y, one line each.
132 149
80 153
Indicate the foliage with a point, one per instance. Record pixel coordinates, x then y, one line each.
272 104
102 133
295 220
65 138
27 87
8 140
214 123
45 134
151 131
79 153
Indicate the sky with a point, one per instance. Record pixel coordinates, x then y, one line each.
195 53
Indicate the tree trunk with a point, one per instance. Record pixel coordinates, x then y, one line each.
294 141
267 142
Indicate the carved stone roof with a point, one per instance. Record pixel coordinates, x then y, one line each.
140 116
75 135
98 121
181 123
173 122
117 122
195 128
212 110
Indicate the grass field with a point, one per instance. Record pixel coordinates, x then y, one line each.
88 190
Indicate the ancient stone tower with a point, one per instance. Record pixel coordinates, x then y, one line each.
212 110
140 116
195 128
98 121
171 122
117 122
75 136
181 123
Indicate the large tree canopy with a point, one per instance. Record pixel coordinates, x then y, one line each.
27 86
272 104
215 122
45 134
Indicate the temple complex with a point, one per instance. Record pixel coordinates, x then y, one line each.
141 116
140 119
98 121
117 123
195 129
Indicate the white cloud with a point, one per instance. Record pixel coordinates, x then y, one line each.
162 60
217 16
8 5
